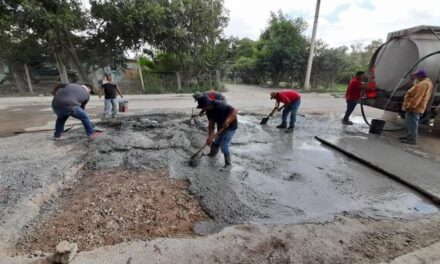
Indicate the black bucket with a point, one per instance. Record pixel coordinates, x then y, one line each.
376 126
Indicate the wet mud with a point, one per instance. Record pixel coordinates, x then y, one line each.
276 177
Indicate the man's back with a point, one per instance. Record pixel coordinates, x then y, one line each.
417 98
354 89
70 96
288 96
219 113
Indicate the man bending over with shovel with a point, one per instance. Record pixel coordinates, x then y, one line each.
70 101
223 116
291 100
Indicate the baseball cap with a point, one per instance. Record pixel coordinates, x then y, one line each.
202 102
197 95
421 73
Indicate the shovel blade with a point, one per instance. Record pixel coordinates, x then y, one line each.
194 161
264 121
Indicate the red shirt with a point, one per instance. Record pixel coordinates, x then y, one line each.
354 89
215 96
287 96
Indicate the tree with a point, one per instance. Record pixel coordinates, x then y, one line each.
329 64
188 30
20 47
282 49
54 24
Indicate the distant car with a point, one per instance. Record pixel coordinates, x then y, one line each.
47 72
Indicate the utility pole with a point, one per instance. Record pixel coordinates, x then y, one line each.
140 72
312 47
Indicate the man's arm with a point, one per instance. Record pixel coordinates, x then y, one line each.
416 95
286 99
231 118
83 105
100 91
119 91
210 132
277 105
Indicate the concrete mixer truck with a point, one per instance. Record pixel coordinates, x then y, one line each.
392 64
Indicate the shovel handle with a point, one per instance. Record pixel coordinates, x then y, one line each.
206 144
273 111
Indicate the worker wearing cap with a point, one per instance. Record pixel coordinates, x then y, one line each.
110 97
414 104
223 116
212 95
291 100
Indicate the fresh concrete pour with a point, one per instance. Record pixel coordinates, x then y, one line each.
276 178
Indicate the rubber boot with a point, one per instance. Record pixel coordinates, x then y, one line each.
227 162
290 129
345 121
282 126
214 150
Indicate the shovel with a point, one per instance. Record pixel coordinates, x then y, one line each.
194 160
41 130
264 120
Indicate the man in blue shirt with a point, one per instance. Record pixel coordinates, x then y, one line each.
224 117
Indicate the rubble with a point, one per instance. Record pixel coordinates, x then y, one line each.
65 252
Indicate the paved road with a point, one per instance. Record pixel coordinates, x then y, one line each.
20 113
26 113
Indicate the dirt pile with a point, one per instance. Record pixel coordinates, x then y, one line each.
112 206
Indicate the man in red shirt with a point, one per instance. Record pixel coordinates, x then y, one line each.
291 100
212 95
353 95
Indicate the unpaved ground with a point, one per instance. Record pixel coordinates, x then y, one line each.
113 206
344 240
341 241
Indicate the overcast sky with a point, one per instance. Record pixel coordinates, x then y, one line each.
341 22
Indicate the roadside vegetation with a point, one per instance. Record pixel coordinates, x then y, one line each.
179 45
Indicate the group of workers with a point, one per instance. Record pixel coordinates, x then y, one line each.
415 101
70 100
224 117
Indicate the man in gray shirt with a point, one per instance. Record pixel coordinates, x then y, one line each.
70 100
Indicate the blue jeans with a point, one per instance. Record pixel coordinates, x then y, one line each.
292 109
113 103
412 126
77 112
351 105
224 140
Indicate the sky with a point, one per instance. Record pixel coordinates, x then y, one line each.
341 22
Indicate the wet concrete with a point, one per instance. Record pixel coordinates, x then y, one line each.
276 177
419 173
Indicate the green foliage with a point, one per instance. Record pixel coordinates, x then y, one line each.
176 35
328 65
282 49
280 53
166 82
182 35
